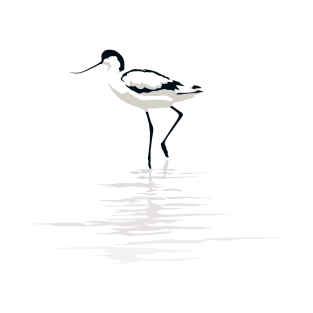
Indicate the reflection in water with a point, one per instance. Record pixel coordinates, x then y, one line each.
152 211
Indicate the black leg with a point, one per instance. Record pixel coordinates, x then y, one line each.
151 134
180 115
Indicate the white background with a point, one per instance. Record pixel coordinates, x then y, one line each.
64 135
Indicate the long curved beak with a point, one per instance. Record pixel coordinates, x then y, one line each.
87 69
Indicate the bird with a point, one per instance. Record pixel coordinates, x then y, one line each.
144 89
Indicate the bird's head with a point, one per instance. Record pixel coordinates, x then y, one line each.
108 57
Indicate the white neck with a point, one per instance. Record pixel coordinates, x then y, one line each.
113 65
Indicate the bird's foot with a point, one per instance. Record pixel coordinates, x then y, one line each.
164 149
149 163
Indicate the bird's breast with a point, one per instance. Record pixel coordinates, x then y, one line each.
116 83
139 100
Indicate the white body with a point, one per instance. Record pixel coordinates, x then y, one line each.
152 100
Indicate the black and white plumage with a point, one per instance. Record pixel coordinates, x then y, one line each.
145 89
146 81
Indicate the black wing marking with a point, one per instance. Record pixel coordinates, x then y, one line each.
164 83
195 87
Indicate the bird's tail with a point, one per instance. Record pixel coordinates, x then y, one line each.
183 90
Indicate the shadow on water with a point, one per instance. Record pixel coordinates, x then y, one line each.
153 211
